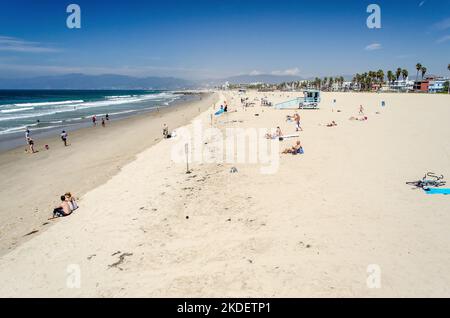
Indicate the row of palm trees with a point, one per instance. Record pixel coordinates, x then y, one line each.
364 81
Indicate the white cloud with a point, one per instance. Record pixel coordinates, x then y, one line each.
255 73
291 72
12 44
373 47
442 25
443 39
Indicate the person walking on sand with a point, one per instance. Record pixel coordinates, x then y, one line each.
31 145
361 110
64 137
103 122
94 120
297 122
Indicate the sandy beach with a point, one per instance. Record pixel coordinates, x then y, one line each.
31 184
317 226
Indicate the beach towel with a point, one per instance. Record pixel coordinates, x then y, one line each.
220 112
444 191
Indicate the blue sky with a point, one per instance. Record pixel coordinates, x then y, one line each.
203 39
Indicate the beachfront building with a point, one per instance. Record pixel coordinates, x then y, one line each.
422 85
403 85
437 86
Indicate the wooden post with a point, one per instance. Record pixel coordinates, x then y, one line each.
186 150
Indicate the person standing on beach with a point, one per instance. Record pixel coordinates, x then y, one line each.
297 122
31 145
64 137
361 110
94 120
27 135
103 122
107 116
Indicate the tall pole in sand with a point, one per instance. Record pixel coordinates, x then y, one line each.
186 150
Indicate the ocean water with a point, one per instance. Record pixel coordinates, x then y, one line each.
41 110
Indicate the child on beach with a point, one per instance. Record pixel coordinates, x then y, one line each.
103 122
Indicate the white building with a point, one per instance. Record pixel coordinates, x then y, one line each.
403 85
437 85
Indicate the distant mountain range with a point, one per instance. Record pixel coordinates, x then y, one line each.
108 81
111 81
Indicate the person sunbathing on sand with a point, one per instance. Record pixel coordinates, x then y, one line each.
332 124
278 133
358 119
63 209
296 149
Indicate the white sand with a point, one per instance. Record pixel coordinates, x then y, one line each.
311 229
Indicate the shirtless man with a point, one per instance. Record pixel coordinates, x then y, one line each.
297 122
63 209
294 149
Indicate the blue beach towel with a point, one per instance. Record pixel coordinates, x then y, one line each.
437 191
220 112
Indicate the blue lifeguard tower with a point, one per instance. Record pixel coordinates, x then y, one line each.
310 100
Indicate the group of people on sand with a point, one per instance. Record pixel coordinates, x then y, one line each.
67 206
64 135
104 120
30 142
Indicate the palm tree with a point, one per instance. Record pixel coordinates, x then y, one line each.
380 75
405 74
398 73
424 71
390 76
418 68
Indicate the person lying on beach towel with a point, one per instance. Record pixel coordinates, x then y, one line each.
294 150
63 209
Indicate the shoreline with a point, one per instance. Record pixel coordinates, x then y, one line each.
32 183
15 140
